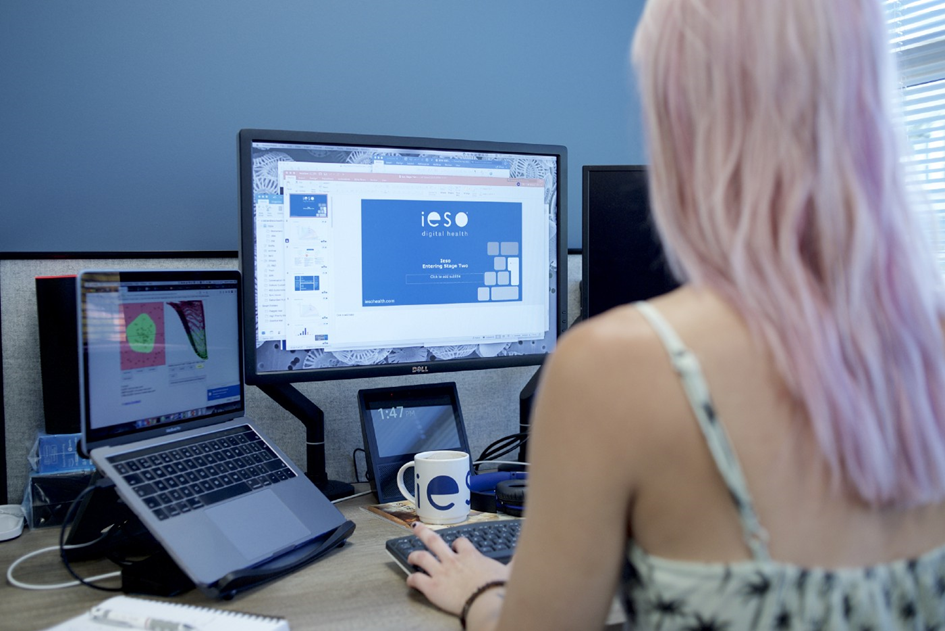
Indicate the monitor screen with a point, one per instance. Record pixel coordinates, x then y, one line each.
160 350
622 256
375 255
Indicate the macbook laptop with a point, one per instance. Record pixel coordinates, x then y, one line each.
162 411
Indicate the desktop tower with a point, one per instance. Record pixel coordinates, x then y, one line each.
58 352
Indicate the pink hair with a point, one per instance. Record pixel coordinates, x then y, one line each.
776 180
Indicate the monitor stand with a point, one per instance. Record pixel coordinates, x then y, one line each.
313 419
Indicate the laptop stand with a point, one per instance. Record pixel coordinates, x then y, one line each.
154 572
242 580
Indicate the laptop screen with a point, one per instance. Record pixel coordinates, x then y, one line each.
160 352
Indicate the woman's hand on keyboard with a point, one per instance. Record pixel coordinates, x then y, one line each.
450 575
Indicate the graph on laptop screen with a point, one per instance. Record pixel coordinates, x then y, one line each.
375 255
159 349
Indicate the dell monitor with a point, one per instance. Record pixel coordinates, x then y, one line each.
622 256
367 256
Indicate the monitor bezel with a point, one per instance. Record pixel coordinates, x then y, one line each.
247 262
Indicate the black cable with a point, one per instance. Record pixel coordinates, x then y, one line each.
119 556
510 449
502 446
513 440
495 445
62 536
367 472
496 451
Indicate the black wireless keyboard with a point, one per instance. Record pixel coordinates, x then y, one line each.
495 539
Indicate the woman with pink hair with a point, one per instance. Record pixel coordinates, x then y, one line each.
763 448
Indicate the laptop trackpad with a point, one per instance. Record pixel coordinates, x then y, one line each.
259 524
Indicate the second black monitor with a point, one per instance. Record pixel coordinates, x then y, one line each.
622 256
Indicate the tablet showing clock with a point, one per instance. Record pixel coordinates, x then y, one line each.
398 423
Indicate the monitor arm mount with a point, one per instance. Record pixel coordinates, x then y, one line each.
312 417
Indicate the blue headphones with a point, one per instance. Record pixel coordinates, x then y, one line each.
499 491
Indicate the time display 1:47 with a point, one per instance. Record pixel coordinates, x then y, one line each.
396 411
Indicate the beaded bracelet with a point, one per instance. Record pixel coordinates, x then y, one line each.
476 594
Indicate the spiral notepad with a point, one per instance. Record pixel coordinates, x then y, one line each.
142 614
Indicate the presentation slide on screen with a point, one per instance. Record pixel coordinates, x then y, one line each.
156 358
449 252
356 260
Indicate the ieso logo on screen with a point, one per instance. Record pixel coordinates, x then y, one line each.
448 252
435 221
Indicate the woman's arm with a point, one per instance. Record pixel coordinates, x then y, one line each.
571 549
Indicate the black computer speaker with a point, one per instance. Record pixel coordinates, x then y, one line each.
59 352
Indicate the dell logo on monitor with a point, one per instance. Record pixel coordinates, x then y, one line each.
419 369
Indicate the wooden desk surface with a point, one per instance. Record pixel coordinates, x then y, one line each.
356 587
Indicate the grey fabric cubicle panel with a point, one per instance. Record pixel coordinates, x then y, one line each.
489 398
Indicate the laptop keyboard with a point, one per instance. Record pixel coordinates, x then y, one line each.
186 475
495 539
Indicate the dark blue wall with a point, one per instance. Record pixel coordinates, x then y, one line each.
118 118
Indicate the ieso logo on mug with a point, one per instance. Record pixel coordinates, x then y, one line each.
442 485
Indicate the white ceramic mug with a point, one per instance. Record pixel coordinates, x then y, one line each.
441 480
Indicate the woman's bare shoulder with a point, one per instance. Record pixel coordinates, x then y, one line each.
608 365
615 363
618 339
621 338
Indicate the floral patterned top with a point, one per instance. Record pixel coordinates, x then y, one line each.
761 593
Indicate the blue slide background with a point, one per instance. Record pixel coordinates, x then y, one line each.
396 226
308 206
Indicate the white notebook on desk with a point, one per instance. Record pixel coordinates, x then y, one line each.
125 612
